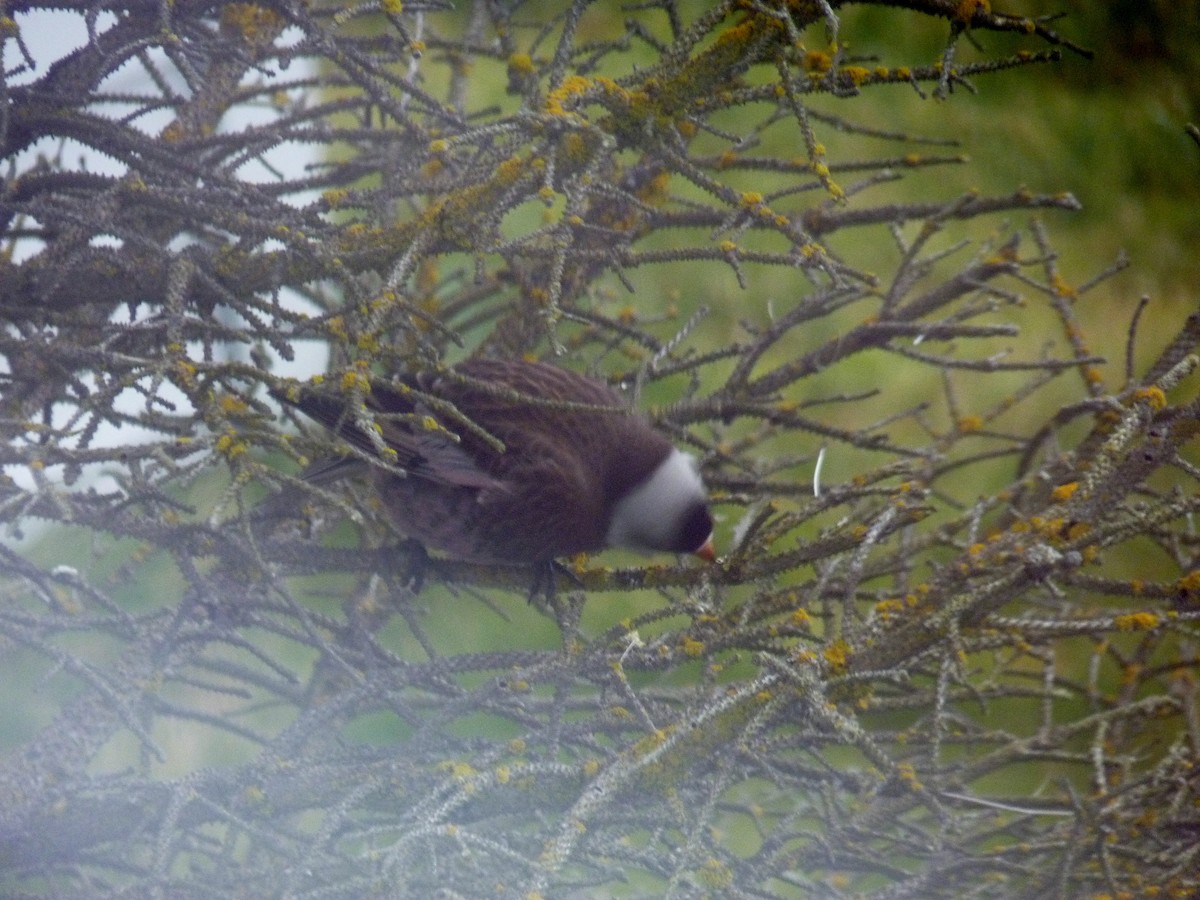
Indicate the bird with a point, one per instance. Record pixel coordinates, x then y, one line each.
520 463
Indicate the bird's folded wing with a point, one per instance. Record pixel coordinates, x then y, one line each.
419 452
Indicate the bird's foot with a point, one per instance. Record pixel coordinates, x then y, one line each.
545 581
410 566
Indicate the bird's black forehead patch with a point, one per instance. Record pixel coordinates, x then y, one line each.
697 527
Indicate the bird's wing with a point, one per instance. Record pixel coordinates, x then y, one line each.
440 459
423 453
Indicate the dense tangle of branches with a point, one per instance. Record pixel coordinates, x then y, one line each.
949 649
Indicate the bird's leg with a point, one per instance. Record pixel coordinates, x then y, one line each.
416 565
542 585
545 580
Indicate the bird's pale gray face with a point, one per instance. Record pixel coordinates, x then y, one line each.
667 512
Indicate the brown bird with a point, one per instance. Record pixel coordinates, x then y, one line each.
579 472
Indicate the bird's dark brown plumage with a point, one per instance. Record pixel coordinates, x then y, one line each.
572 452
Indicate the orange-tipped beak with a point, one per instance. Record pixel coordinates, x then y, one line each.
708 552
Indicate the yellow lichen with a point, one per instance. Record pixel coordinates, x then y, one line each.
1138 621
837 654
509 170
1063 492
458 770
233 405
256 24
716 874
908 775
968 424
1189 583
1152 396
230 446
816 63
1062 287
521 62
354 379
571 88
856 74
968 9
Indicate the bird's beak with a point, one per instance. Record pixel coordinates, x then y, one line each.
708 552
